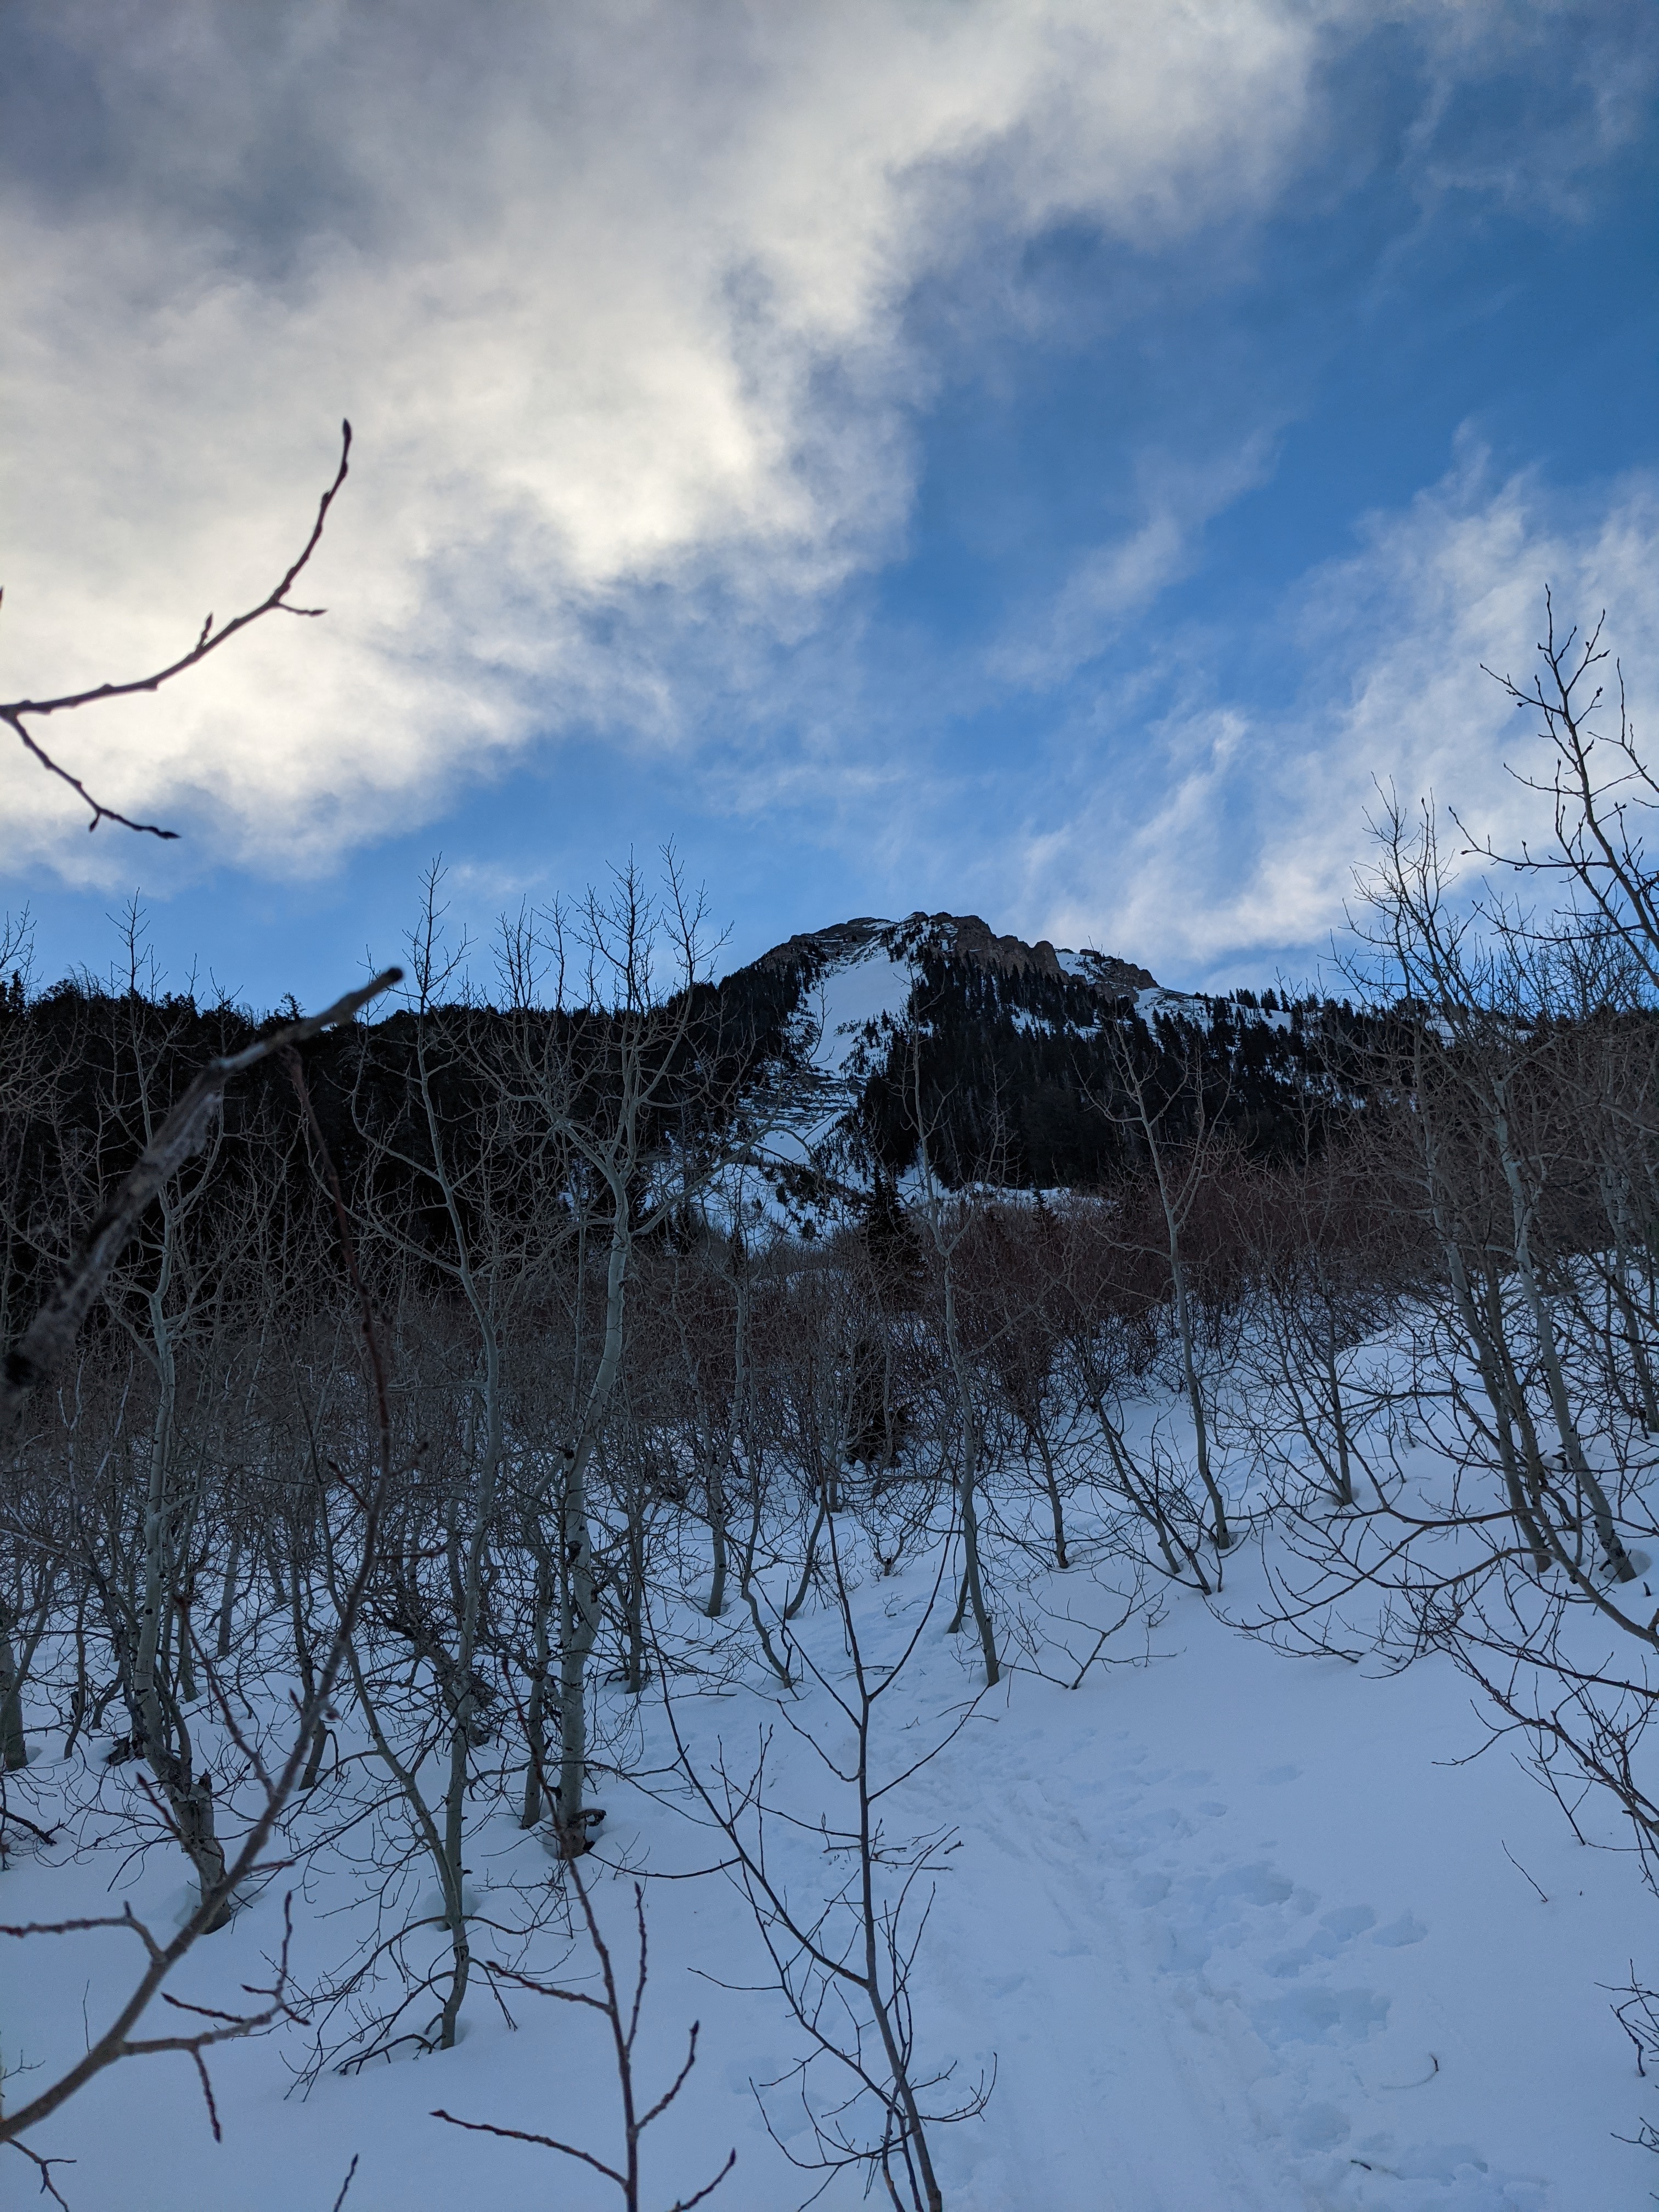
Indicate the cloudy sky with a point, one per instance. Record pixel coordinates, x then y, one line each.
1044 458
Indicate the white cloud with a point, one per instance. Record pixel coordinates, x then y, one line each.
1116 581
1242 831
614 297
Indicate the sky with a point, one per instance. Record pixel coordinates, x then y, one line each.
1055 461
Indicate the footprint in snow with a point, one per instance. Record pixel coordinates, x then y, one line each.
1319 2015
1335 1930
1409 1928
1348 1921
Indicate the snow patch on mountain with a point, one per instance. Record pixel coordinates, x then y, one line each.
1173 1007
851 1001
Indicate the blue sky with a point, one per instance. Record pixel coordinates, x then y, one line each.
1041 461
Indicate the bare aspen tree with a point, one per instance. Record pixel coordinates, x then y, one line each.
621 2015
1179 1171
32 1363
463 1162
1017 1275
708 1303
1326 1267
1472 1043
948 1221
818 1382
159 1680
31 1535
613 1076
1108 1306
1510 1104
845 1962
756 1439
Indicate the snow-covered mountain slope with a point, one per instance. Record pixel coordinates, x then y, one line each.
1004 1049
852 998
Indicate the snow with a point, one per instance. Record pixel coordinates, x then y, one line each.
870 987
1173 1006
853 1000
1237 1930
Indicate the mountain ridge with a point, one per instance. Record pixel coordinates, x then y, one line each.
1011 1057
966 937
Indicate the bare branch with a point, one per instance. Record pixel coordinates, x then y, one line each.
14 712
47 1340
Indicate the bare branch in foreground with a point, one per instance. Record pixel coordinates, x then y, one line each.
49 1334
179 1135
14 712
624 2028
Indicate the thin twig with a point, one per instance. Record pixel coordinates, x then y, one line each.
13 711
47 1340
1520 1869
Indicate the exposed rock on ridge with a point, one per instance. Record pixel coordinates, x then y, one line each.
964 937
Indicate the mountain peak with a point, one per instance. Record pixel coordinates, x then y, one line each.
963 937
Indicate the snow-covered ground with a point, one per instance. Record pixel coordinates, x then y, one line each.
1236 1931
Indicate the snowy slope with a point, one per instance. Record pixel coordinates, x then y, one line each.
1238 1931
853 999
